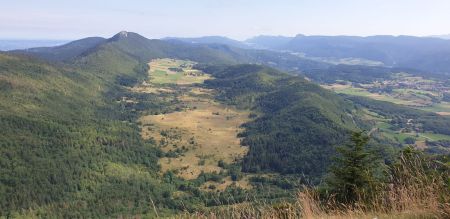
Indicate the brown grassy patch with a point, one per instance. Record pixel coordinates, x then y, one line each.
145 88
421 145
208 131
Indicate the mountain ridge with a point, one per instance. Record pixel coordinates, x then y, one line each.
422 53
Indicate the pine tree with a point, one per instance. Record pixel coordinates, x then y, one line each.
353 172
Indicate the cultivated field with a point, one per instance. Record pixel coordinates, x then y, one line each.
404 89
384 128
398 97
442 108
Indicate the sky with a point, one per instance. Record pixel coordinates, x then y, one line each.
238 19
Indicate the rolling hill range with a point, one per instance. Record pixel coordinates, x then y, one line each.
210 40
66 51
11 44
133 46
97 127
343 57
423 53
429 54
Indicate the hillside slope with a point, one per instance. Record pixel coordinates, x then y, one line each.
64 52
298 125
67 149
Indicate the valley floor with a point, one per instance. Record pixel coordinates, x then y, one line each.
404 89
198 136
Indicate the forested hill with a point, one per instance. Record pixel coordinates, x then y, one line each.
136 48
68 148
64 52
297 123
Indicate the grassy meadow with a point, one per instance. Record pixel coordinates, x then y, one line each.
172 71
198 136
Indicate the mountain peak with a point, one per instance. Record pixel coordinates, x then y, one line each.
123 33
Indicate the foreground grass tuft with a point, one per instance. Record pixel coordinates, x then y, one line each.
415 190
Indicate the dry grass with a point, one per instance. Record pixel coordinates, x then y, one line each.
209 132
421 145
443 113
336 86
146 88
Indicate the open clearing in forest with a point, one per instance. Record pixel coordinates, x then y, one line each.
172 71
206 133
201 134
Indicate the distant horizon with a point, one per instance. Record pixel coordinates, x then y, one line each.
237 19
259 35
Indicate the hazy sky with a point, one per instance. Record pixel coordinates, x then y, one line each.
239 19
